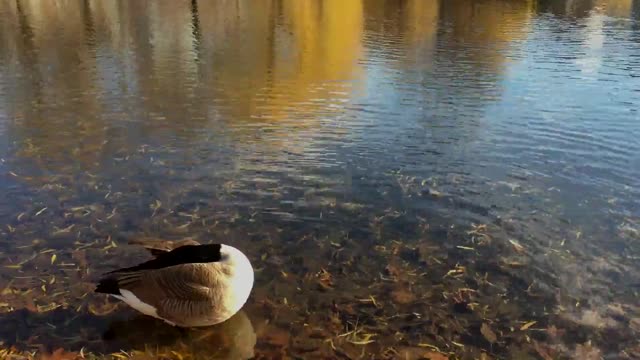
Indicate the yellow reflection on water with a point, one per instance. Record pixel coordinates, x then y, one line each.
285 64
251 61
53 90
296 56
410 25
616 8
262 59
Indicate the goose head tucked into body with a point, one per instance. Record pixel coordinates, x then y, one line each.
187 284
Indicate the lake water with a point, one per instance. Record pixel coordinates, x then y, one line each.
411 179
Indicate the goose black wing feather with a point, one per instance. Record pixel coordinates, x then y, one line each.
187 254
108 286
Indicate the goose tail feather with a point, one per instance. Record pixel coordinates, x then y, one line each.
108 286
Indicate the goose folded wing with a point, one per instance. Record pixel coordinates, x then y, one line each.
189 282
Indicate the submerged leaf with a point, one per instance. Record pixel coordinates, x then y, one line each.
542 350
432 355
60 354
488 333
403 296
587 351
528 325
516 246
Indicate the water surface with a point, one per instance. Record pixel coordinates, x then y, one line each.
409 177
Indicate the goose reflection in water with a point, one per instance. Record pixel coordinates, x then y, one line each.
232 339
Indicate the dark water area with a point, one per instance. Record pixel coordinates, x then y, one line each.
411 179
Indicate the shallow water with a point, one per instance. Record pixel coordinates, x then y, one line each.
409 178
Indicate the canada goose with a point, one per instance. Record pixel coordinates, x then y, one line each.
186 284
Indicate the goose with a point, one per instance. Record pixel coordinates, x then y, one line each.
186 284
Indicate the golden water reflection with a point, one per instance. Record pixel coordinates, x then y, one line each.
82 68
302 55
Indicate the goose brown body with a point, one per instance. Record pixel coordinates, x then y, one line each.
189 285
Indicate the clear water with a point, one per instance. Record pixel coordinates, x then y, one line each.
455 166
